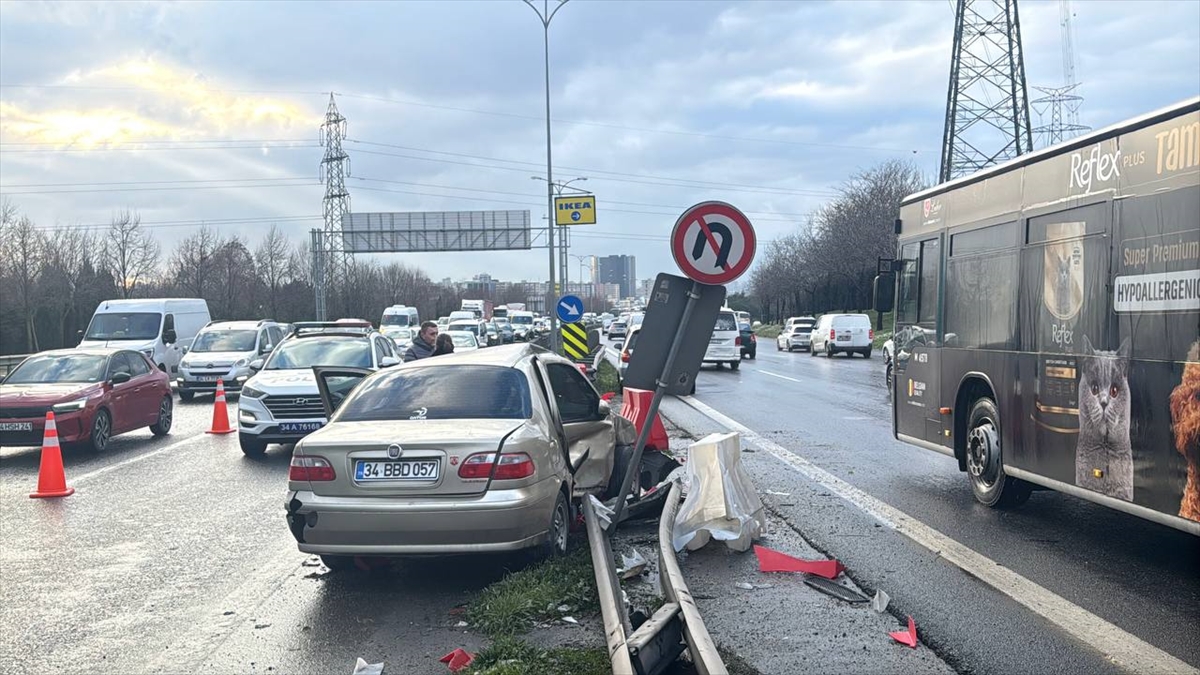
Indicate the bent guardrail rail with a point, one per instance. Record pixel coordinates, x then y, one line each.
700 644
7 363
658 642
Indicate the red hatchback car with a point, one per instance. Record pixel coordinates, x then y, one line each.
95 393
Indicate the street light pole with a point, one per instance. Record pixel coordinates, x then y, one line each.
545 14
564 241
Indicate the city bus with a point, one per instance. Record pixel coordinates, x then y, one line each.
1047 321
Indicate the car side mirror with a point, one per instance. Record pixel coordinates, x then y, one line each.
185 349
169 336
120 378
256 365
266 349
388 361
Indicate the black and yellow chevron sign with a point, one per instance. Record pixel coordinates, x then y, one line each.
574 340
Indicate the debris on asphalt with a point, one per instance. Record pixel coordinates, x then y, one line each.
632 565
361 667
907 637
751 587
458 609
835 590
773 561
722 502
563 609
260 626
880 602
461 624
457 659
777 494
571 620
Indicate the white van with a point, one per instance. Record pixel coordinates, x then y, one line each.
462 315
158 327
400 315
848 333
723 346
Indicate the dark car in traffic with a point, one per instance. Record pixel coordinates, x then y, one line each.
748 341
94 393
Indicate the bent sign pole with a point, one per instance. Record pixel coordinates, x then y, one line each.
705 261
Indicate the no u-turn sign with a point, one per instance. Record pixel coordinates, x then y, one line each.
713 243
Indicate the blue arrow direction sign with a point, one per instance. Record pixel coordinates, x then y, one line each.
569 309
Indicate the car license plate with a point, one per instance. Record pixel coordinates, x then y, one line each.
16 426
413 469
843 337
207 378
299 427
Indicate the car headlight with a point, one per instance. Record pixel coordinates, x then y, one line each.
70 406
148 352
240 362
251 392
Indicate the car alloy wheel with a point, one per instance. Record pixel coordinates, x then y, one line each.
165 416
101 431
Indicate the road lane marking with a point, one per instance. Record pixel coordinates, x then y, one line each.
133 460
782 377
1121 647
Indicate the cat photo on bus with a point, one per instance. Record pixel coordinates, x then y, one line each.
1104 453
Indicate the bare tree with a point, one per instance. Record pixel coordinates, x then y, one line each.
191 265
273 260
128 253
24 245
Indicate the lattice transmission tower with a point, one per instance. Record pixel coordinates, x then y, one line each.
330 263
987 106
1061 104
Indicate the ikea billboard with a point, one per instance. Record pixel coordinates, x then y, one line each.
575 210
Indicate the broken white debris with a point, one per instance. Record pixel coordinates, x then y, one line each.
363 668
570 619
563 609
880 602
632 565
777 494
461 624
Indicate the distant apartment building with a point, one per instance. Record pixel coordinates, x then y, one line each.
620 270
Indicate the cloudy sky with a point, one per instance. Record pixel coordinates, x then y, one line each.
209 112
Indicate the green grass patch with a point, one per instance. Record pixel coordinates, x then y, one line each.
512 605
768 331
606 378
509 656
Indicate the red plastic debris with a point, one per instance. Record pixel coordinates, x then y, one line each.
907 637
774 561
458 659
608 396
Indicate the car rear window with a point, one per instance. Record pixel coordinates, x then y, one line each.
850 320
440 393
726 321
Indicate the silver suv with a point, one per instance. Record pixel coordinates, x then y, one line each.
223 350
281 402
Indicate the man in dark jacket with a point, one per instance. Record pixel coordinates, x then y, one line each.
424 343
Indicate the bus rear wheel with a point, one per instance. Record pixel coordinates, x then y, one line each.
985 465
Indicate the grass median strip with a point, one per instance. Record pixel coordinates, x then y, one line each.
512 605
509 656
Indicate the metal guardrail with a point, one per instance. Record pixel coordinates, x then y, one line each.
700 644
9 362
658 642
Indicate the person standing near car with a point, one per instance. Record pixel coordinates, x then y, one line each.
424 344
445 345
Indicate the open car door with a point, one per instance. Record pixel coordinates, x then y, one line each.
335 383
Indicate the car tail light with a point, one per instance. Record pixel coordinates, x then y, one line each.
832 334
310 468
737 341
870 333
625 357
511 467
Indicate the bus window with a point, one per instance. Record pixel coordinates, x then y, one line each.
906 303
931 265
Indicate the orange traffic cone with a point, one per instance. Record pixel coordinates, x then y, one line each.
220 423
52 481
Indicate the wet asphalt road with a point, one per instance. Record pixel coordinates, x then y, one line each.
173 557
1142 577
